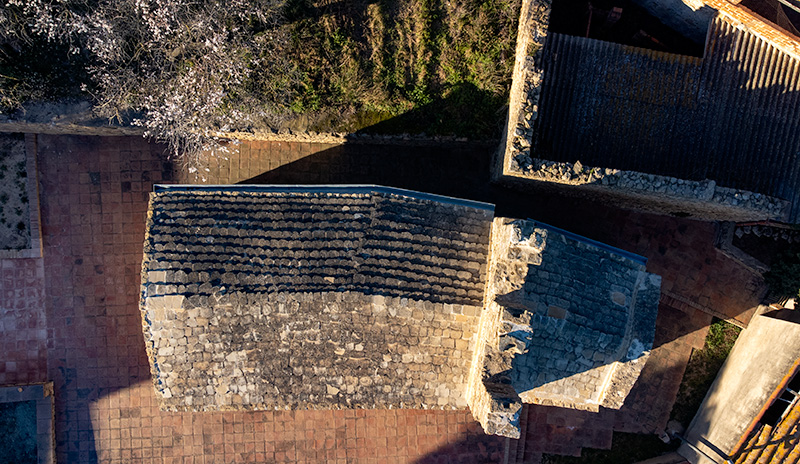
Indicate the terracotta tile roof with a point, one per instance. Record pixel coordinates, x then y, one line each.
776 444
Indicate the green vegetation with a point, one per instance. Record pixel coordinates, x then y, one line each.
186 70
702 369
449 64
783 278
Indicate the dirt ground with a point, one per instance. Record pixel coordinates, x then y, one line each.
14 205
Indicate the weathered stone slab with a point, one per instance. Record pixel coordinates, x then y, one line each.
287 299
568 322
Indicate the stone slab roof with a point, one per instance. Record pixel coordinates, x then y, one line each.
311 297
568 322
579 305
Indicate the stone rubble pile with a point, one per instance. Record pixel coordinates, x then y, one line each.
786 234
638 182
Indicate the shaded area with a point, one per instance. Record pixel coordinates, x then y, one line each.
783 16
680 250
474 448
619 21
463 110
702 369
767 247
633 439
38 70
627 448
678 334
18 432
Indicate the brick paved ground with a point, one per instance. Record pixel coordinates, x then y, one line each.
651 399
94 198
94 193
22 322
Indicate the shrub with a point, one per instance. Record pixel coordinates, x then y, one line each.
783 278
181 69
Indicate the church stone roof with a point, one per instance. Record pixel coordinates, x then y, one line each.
311 297
568 322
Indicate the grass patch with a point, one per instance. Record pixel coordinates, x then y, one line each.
702 370
445 64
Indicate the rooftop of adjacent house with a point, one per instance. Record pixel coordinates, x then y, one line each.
280 297
729 116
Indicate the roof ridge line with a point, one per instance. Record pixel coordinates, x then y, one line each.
327 188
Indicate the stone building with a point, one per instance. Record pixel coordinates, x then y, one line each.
712 136
287 297
311 297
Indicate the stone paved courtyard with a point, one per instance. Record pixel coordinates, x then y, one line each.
72 316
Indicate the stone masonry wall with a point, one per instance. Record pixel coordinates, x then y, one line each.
578 299
534 19
493 404
308 351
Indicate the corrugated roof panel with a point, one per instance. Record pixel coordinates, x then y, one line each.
759 113
732 116
600 96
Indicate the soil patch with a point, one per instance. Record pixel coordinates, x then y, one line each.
15 227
